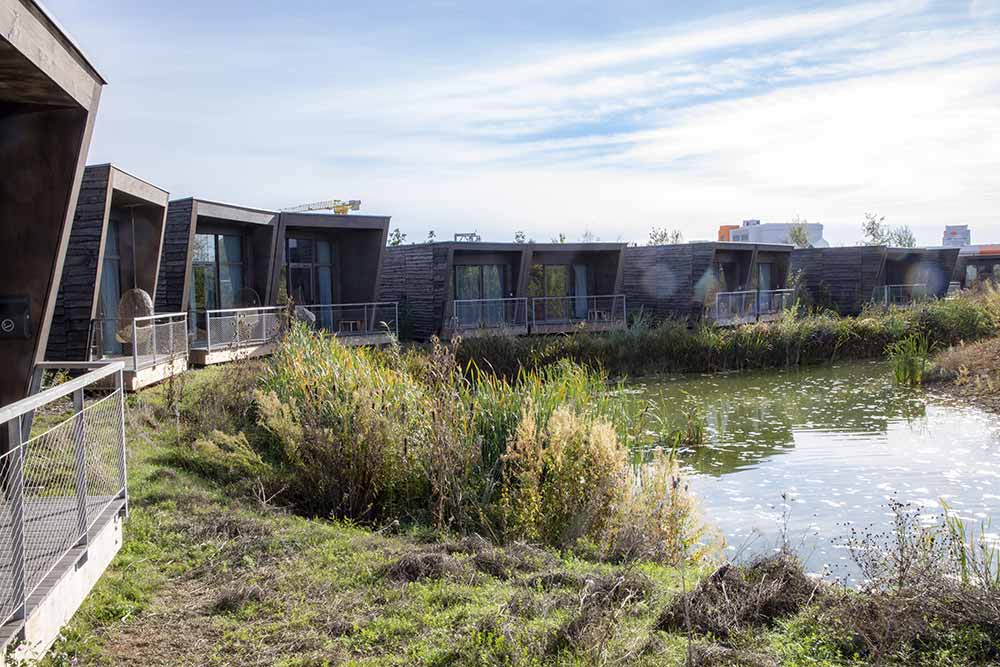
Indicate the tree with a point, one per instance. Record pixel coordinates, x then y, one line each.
396 238
589 237
664 236
904 237
798 235
430 237
519 236
559 239
876 232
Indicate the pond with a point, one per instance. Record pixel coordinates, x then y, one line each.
817 451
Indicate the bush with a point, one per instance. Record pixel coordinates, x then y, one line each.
560 478
377 435
226 457
795 339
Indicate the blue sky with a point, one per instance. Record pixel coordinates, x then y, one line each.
572 117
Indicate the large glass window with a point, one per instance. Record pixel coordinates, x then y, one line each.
309 266
550 284
477 282
309 271
110 292
216 275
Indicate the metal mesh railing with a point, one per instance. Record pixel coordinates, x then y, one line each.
236 327
899 295
58 483
749 305
150 340
468 314
604 309
351 319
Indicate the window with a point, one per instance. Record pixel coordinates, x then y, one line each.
971 273
110 292
476 282
309 266
216 274
549 282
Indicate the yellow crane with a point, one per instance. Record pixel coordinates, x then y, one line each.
336 205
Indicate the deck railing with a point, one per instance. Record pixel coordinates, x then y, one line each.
351 319
899 295
508 313
749 305
774 301
603 309
59 482
153 339
236 327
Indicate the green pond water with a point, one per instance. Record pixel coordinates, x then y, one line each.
823 450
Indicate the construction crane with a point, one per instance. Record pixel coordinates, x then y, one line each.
336 205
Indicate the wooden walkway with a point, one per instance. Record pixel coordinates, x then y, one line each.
51 537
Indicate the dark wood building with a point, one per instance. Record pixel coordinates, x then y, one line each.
725 282
216 255
49 95
977 265
473 288
232 267
847 278
114 248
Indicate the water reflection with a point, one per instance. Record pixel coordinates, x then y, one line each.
838 441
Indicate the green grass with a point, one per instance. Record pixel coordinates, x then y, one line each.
210 575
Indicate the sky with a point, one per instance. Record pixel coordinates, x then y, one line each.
597 120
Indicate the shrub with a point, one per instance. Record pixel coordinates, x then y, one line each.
796 338
737 598
560 477
351 427
226 457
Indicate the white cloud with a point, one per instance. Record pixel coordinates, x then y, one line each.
825 114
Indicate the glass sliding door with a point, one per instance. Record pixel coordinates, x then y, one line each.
309 269
479 290
110 293
493 289
550 284
217 277
765 283
468 291
580 291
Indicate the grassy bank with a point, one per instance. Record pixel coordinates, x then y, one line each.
797 339
219 571
970 371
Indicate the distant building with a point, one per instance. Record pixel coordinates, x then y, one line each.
754 231
956 236
725 231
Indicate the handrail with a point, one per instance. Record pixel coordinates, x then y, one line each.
506 298
616 314
369 312
158 316
35 401
59 483
244 309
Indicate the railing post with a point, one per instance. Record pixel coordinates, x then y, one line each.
170 340
15 478
80 456
122 460
208 329
135 346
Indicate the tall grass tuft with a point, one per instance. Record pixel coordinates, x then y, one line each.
909 358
